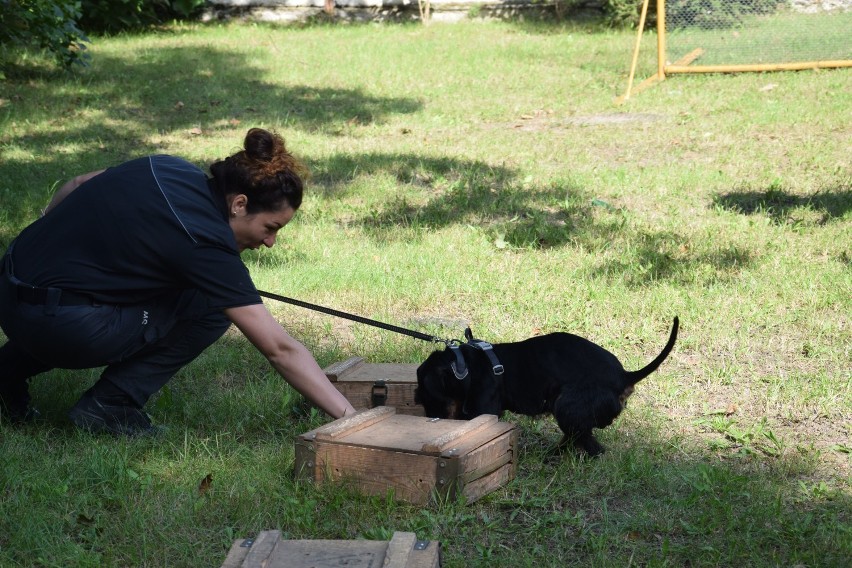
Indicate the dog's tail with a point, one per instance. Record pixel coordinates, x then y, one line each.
634 377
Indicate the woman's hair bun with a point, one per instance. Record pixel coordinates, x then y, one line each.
261 144
264 170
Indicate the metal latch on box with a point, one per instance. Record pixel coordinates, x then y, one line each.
379 394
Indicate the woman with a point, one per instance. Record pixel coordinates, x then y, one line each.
137 268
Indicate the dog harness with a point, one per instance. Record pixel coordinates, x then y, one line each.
459 367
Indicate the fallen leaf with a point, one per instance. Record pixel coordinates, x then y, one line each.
732 409
204 486
768 87
195 131
179 105
234 121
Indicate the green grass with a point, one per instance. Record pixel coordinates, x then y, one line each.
472 173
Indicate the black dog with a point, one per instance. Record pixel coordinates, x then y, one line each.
582 384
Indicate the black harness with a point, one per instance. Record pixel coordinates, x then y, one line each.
459 366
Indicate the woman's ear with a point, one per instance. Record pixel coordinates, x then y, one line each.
237 205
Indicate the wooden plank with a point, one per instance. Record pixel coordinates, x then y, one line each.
375 471
305 460
389 372
328 554
261 550
427 557
339 370
237 553
476 440
488 483
413 433
400 547
454 437
491 456
350 424
402 551
477 459
401 433
513 440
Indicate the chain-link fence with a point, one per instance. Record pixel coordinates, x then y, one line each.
707 36
756 33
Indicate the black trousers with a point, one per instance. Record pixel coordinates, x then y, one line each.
141 345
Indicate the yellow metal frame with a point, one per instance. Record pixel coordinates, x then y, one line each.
683 65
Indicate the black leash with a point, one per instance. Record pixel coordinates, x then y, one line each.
359 319
459 366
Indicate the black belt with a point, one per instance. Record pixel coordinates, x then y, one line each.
39 296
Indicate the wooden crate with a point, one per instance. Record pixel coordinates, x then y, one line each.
368 385
416 457
269 550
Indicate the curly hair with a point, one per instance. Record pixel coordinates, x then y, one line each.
264 171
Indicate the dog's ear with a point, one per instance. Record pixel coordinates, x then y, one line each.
434 391
484 397
484 393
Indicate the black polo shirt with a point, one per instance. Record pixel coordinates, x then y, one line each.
138 230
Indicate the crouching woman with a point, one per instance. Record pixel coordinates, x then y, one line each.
137 268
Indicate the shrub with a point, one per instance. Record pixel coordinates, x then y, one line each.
623 13
46 24
115 15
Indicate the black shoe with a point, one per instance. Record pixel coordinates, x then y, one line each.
116 415
15 404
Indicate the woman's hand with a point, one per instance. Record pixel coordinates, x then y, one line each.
289 358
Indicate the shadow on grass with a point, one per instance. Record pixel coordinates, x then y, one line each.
123 106
512 213
779 205
654 256
648 501
454 191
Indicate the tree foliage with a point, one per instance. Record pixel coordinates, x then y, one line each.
45 24
56 26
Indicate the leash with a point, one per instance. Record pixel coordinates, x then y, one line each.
359 319
459 367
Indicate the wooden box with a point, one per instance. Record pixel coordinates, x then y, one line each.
269 550
368 385
416 457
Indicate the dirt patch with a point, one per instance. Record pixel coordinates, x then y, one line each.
545 120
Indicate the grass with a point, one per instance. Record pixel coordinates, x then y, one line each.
472 173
